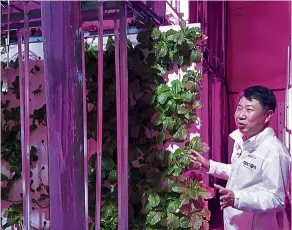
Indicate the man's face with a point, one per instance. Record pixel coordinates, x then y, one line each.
251 117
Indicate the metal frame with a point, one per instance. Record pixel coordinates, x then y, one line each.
124 10
99 119
85 145
88 13
25 118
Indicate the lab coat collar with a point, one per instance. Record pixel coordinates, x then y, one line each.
252 143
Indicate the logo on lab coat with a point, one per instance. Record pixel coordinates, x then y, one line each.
249 165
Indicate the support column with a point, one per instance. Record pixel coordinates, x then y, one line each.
122 123
63 81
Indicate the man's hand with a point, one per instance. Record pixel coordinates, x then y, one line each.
199 160
226 198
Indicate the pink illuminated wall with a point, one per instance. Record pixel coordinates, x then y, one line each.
258 37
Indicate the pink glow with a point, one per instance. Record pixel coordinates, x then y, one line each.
258 37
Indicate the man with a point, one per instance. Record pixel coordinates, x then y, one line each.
259 173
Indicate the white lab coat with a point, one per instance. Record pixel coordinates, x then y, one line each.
259 176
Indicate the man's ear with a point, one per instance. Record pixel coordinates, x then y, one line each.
269 115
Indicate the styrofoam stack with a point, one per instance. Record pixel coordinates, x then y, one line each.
5 80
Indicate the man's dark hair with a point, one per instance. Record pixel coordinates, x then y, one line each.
264 95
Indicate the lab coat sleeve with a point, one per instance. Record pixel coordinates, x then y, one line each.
220 170
275 178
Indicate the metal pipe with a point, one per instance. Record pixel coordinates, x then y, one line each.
123 157
26 156
138 7
84 129
99 118
8 33
119 119
22 101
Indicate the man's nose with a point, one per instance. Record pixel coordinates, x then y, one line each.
242 115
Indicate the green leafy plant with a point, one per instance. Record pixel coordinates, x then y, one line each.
162 195
11 154
158 113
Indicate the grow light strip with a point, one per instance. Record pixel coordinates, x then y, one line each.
99 118
85 162
26 156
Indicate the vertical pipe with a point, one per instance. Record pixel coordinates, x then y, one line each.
123 182
99 118
61 23
26 156
119 119
85 129
205 119
22 122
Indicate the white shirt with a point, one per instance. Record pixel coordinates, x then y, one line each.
259 176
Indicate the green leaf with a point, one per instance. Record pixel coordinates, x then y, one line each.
171 56
172 221
112 176
197 105
189 85
107 163
174 171
184 222
191 45
160 137
180 39
159 70
155 34
14 169
163 88
154 217
163 97
181 109
179 189
196 222
153 200
176 86
174 206
160 119
4 177
169 123
181 134
195 56
187 97
161 49
171 106
188 116
14 220
180 60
